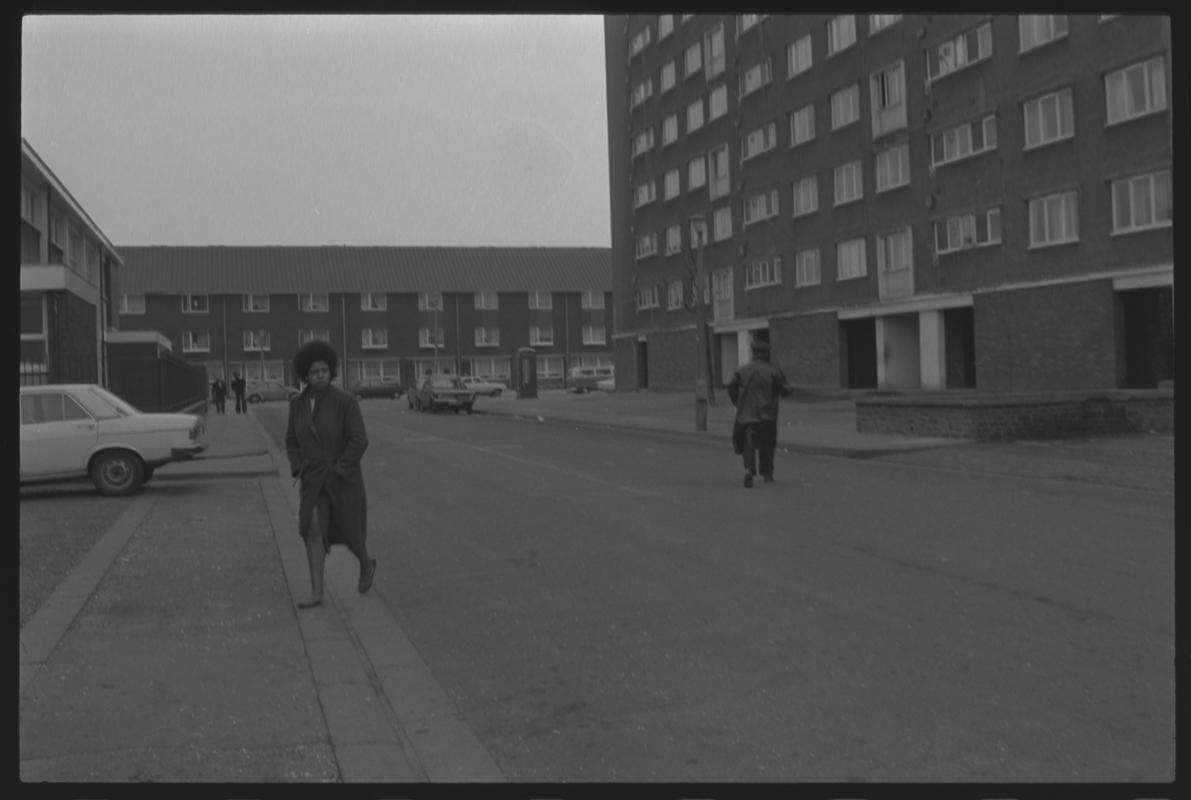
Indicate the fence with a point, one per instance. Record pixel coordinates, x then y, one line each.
154 379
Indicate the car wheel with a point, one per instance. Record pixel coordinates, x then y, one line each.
254 398
117 472
467 409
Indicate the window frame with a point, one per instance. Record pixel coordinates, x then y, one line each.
1151 178
801 270
256 344
1033 243
983 35
903 170
368 339
813 182
541 300
480 301
430 301
763 273
842 170
126 309
249 305
188 341
1037 102
188 304
1053 19
1144 65
809 110
861 246
482 338
835 47
852 91
306 302
368 301
984 123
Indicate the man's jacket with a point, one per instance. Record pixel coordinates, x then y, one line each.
754 391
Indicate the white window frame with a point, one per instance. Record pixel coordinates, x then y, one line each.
430 301
647 298
426 338
692 60
960 52
721 224
1037 30
961 138
804 196
374 301
641 92
962 231
855 269
594 334
591 299
719 184
879 22
250 303
670 130
849 182
759 207
128 306
1125 191
673 240
1035 114
675 295
644 194
542 301
755 78
807 268
313 335
1066 203
643 142
374 338
665 25
745 22
640 40
1153 72
486 301
256 340
671 185
717 102
887 94
647 245
696 176
800 56
762 273
715 54
889 178
694 115
196 304
895 250
802 118
841 33
845 100
758 142
196 341
487 336
668 76
308 301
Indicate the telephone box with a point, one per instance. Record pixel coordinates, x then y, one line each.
527 373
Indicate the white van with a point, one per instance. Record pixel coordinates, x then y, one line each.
584 379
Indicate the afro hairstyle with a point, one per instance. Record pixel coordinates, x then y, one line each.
315 351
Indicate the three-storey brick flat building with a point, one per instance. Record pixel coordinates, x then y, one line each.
899 201
389 311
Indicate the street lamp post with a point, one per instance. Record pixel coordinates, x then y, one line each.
701 381
260 346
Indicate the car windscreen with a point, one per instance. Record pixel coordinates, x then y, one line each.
105 405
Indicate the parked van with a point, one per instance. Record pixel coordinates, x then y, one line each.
584 379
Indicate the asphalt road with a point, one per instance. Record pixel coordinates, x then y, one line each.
602 606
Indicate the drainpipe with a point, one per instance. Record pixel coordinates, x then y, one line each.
566 338
343 313
458 340
223 305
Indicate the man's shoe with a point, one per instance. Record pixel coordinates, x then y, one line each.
366 577
748 480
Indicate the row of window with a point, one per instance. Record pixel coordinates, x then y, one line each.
1139 203
369 301
199 341
78 250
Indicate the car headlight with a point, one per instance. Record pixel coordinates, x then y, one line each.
196 430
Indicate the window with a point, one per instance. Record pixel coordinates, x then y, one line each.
486 301
849 182
1054 219
802 125
713 45
888 92
669 130
964 140
1141 202
647 245
374 301
645 193
845 106
673 240
849 260
647 298
643 141
1049 118
717 102
798 56
961 232
39 409
806 268
28 205
719 172
841 33
696 174
641 92
761 273
675 292
195 304
698 234
722 224
594 334
256 303
806 196
879 22
721 290
313 335
665 25
374 338
759 141
487 336
639 41
428 338
895 251
694 116
256 341
1038 29
955 54
693 60
197 342
430 301
58 229
668 77
1136 90
755 77
541 300
893 167
761 206
670 187
746 21
314 302
591 299
132 304
75 254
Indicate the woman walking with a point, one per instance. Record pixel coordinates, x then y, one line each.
324 441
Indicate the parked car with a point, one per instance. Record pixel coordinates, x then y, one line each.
83 430
483 385
606 384
437 392
584 379
387 388
261 391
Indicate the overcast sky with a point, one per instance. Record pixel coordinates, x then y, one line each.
307 130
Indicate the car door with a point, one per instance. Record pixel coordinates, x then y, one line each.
57 434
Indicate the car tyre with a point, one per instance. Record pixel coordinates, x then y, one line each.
117 472
255 398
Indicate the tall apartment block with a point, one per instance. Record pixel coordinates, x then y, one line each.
895 201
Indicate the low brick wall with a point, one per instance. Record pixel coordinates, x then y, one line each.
1002 417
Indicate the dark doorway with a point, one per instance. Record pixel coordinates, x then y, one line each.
642 366
1147 325
858 346
959 333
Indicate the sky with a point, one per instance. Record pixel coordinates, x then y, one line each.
468 130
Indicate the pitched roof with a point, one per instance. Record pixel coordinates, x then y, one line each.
295 270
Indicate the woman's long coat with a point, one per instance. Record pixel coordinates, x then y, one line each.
324 447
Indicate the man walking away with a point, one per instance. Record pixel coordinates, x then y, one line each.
239 386
219 393
754 391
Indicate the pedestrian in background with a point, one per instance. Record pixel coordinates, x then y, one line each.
754 390
324 441
239 386
219 394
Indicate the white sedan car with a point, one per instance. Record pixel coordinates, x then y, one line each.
483 385
83 430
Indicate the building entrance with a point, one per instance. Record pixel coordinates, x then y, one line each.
1145 336
858 348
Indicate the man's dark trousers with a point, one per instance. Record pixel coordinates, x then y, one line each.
759 444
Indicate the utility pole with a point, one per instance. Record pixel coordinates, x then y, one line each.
700 329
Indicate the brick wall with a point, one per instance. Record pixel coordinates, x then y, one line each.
671 359
1046 338
625 349
807 348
